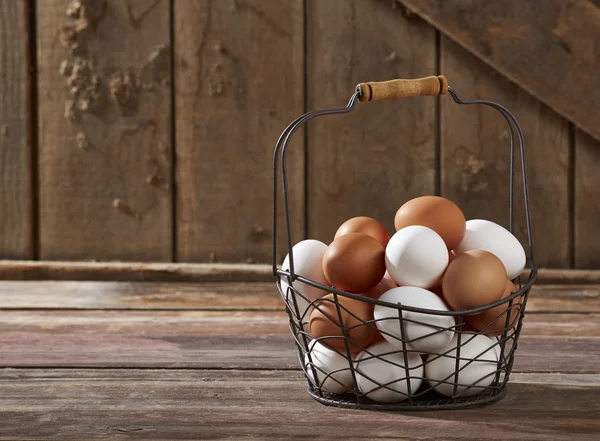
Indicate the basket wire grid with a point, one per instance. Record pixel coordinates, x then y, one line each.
506 325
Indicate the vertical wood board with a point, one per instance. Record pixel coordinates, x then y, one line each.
368 162
550 48
105 129
475 156
239 82
15 174
587 201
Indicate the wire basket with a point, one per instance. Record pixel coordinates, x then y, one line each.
488 366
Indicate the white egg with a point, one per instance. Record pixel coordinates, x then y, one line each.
374 369
423 332
332 369
308 262
416 256
488 236
473 377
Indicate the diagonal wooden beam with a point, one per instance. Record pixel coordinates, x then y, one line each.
548 48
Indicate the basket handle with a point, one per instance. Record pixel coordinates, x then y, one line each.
387 90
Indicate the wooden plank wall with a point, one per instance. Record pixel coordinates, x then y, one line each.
16 241
383 153
156 119
104 130
239 81
476 156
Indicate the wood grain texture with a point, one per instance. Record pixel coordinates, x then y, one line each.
225 405
204 272
475 156
544 48
564 298
587 201
368 162
403 88
237 340
210 296
16 240
142 296
239 82
141 272
105 124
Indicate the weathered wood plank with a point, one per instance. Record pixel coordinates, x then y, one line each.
228 404
237 339
239 82
199 272
476 156
16 240
105 130
558 276
226 296
587 201
141 272
564 298
541 48
140 296
368 162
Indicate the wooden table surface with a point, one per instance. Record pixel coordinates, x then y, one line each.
148 360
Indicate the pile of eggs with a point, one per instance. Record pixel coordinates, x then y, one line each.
437 261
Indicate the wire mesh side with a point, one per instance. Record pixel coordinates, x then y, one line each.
321 380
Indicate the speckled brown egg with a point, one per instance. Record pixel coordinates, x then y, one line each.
325 323
440 214
365 225
475 278
354 262
492 322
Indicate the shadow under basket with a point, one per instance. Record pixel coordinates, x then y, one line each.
474 367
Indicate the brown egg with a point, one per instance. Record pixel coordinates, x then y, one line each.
440 214
354 262
365 225
378 338
475 278
494 320
324 322
383 286
437 289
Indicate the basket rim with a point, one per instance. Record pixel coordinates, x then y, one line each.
280 273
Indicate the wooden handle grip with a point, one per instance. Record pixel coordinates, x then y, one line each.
387 90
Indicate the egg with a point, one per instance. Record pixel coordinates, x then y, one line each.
473 377
381 374
440 214
389 278
365 225
437 288
332 370
475 278
354 262
485 235
308 262
383 286
357 317
492 322
423 332
416 256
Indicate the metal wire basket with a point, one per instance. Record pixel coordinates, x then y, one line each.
409 385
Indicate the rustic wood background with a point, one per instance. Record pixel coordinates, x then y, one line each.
143 130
